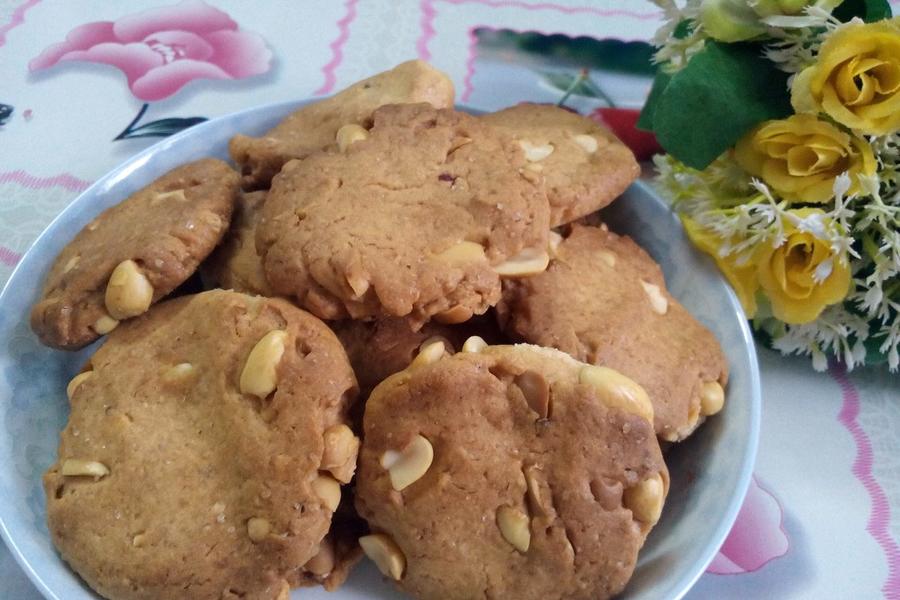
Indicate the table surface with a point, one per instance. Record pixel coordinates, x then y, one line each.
822 517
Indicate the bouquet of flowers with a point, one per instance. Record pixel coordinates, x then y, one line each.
781 123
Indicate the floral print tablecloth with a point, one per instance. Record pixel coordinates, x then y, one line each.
87 83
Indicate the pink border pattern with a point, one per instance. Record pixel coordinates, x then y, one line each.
18 17
880 516
428 15
337 47
468 88
63 180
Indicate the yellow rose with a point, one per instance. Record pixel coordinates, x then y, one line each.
801 276
742 278
800 157
856 80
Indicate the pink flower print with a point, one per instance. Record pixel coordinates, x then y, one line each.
756 538
162 49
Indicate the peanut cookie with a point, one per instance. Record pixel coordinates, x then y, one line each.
315 126
603 300
204 451
508 472
420 218
380 348
582 166
235 265
135 253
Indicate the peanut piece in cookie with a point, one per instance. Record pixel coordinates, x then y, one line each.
408 465
386 555
129 292
260 374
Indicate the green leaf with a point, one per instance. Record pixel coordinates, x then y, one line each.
874 355
645 121
867 10
161 128
683 29
723 92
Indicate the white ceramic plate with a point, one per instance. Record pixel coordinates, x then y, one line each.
710 472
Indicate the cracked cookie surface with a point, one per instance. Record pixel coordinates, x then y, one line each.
165 459
582 166
415 220
161 232
603 300
313 127
525 485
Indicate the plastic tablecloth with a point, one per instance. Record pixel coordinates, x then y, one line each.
822 517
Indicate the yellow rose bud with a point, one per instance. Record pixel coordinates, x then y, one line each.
767 8
800 157
742 277
856 79
770 8
730 20
802 276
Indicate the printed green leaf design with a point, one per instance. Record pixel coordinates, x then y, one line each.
580 52
160 128
721 94
867 10
6 112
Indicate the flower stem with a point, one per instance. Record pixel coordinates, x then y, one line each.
131 125
575 83
590 87
599 91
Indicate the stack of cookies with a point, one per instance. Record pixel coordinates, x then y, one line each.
417 341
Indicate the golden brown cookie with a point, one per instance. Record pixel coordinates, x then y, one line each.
235 265
419 219
380 348
315 126
583 167
203 451
508 472
135 253
603 300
